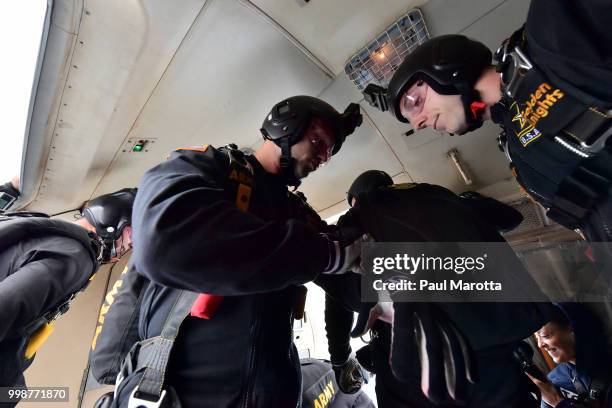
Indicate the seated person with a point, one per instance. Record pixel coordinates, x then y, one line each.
582 376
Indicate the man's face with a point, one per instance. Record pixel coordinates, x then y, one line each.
314 149
558 342
424 107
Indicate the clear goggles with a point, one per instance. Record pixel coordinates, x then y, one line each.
413 100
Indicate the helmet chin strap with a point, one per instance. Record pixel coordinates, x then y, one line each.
97 245
474 108
288 164
110 251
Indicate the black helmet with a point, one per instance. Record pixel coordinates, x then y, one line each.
110 214
368 181
450 64
288 120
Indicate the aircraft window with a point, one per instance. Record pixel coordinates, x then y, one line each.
22 26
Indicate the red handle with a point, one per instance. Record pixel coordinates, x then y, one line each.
205 306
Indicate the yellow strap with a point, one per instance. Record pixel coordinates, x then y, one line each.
109 299
38 339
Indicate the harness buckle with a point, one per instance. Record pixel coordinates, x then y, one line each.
515 64
598 144
135 402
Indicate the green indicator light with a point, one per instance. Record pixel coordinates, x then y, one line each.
138 147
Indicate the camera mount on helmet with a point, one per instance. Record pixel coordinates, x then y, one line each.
376 96
289 119
449 64
110 214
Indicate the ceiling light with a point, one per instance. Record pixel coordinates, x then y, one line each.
377 61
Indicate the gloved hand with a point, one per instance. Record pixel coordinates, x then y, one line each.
350 376
423 331
344 246
369 313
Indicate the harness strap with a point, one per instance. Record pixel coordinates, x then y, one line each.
154 353
241 174
580 192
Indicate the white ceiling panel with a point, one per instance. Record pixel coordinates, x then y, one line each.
333 30
451 17
499 23
121 50
231 68
196 72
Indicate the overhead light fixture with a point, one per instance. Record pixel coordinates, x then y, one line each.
377 61
453 154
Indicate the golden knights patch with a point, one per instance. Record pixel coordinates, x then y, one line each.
525 131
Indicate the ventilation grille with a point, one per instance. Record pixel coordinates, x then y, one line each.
376 62
533 216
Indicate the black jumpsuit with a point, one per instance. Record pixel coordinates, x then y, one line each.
571 44
37 273
427 213
189 234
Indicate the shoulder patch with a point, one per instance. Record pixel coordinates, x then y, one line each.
200 149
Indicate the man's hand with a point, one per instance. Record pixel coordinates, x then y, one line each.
550 394
350 376
369 313
421 330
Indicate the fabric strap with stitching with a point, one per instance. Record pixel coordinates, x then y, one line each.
154 353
